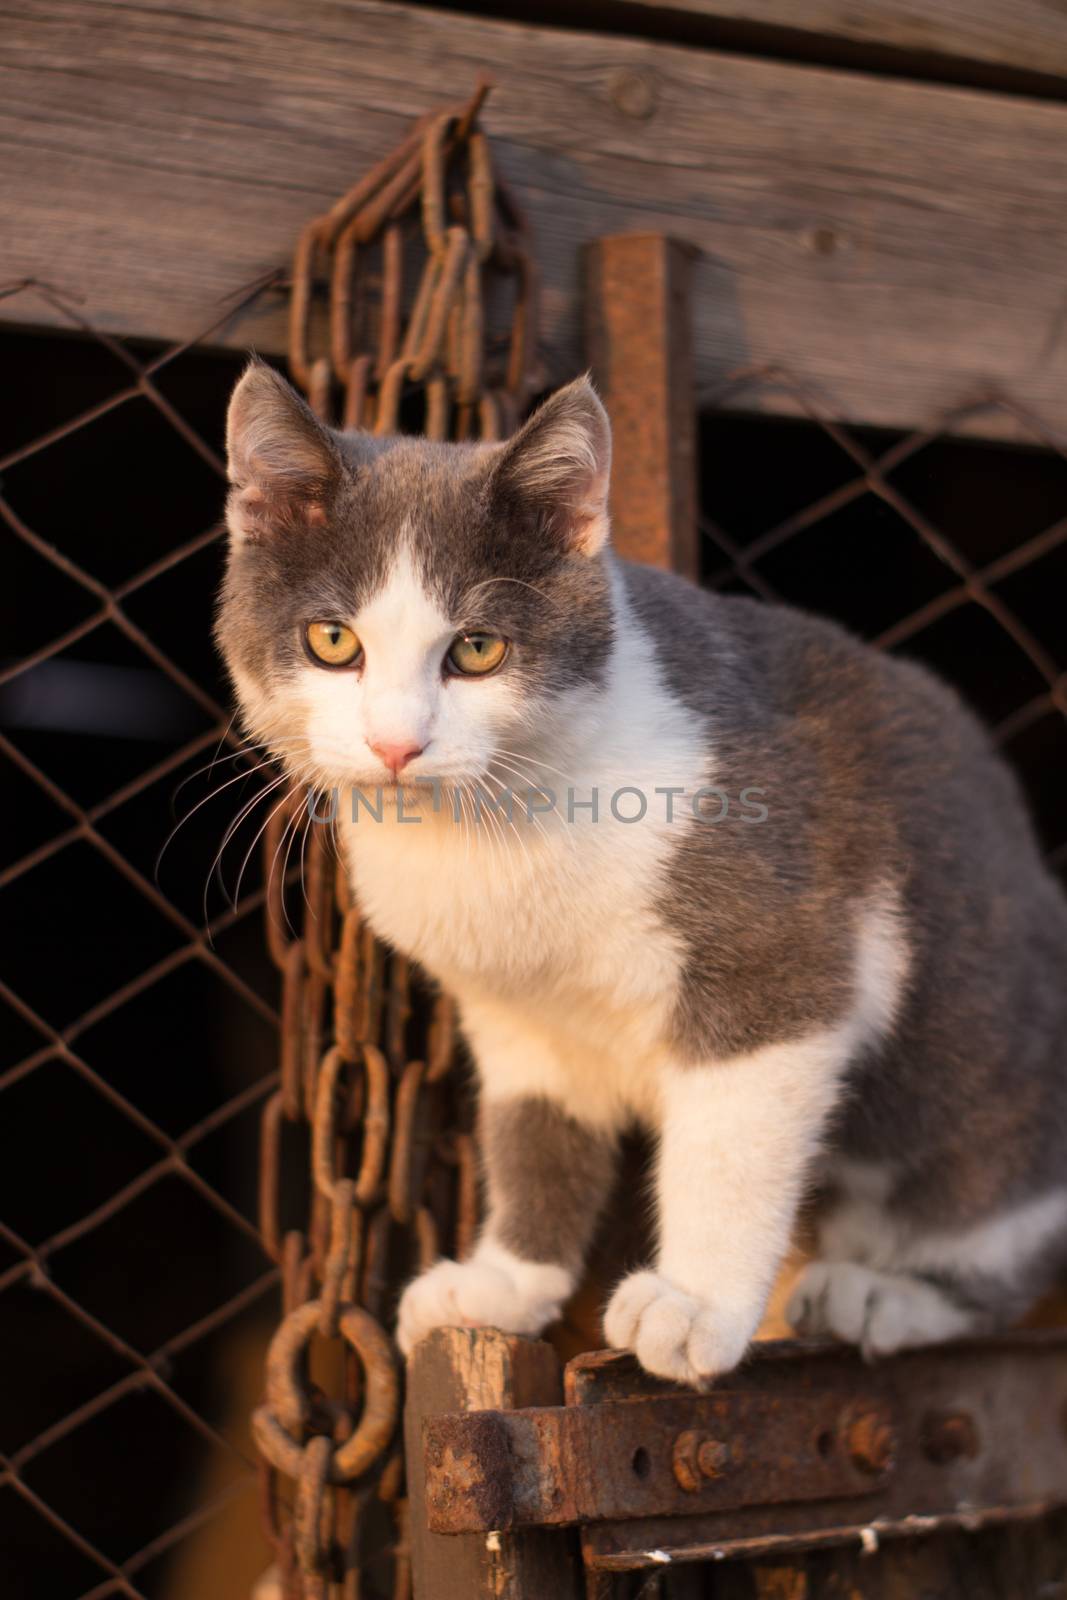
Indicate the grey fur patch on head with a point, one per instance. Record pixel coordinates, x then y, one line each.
551 1176
503 536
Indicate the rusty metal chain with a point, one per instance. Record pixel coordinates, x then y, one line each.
366 1050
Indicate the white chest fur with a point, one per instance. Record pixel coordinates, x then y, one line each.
550 929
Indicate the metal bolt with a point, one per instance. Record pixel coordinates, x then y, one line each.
696 1457
869 1438
947 1435
713 1457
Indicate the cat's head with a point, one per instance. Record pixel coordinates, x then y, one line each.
396 610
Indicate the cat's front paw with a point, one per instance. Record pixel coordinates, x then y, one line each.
673 1334
517 1297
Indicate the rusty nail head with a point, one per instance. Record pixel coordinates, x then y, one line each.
869 1438
696 1457
947 1435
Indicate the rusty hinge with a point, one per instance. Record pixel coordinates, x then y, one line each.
806 1445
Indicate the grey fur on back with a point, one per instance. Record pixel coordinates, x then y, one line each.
873 772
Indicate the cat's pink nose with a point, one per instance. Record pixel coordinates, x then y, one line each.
395 755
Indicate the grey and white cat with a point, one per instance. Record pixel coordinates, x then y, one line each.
855 979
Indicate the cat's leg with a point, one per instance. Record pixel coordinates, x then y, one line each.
548 1174
737 1138
886 1283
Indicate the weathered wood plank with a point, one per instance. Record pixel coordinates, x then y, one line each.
898 244
467 1369
1018 35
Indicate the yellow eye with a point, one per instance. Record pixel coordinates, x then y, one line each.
475 654
333 644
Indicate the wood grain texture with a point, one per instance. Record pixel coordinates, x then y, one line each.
1023 35
467 1369
899 245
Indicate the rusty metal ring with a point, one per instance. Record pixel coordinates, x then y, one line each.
284 1414
313 1512
446 288
436 154
356 407
274 905
438 407
300 302
270 1156
401 1200
480 193
291 1050
318 925
442 1039
375 1124
392 298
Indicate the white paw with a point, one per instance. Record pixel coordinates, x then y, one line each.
481 1294
878 1311
673 1334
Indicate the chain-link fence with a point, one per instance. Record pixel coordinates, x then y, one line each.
931 543
158 1162
126 1254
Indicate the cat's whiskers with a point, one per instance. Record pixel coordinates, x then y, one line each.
216 758
313 820
468 826
478 832
498 826
509 814
249 772
285 868
244 812
253 747
522 755
531 816
521 584
287 797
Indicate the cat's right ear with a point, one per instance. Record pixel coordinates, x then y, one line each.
282 463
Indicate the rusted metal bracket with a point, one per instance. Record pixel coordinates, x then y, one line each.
806 1445
658 1456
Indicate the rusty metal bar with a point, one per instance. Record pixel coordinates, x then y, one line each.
978 1436
638 328
658 1456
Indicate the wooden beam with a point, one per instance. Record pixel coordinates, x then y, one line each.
898 245
1015 36
468 1369
639 341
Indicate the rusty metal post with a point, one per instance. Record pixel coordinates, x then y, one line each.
639 342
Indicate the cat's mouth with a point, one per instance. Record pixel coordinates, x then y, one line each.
415 785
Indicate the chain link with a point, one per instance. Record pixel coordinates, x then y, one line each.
367 1051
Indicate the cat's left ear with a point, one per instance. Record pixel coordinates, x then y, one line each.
281 461
559 463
